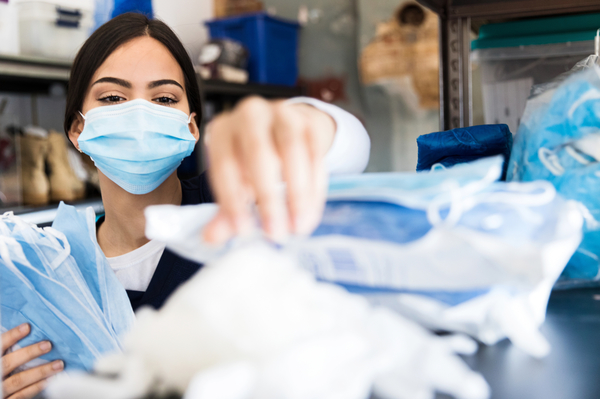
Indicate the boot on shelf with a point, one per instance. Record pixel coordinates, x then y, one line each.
34 149
64 183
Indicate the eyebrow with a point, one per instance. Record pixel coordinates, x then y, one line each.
162 82
126 84
117 81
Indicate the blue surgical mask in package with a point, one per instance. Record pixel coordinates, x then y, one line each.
473 259
60 283
559 141
454 249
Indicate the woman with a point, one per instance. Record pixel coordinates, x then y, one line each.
133 105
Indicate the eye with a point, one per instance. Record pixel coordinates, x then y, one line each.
111 99
166 100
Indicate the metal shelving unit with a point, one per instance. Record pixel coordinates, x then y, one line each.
456 18
21 74
214 89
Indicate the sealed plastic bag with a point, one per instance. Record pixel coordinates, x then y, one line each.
559 141
253 324
453 248
68 294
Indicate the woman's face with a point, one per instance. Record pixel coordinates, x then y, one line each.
142 68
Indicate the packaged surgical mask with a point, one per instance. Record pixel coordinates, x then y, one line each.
61 284
137 144
453 249
559 141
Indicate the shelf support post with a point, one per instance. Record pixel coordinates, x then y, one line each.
455 73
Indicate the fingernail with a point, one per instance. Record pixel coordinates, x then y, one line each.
302 225
24 328
243 225
45 346
58 365
217 232
277 229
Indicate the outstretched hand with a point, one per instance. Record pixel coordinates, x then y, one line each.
255 148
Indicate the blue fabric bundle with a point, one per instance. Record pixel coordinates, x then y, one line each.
464 145
58 280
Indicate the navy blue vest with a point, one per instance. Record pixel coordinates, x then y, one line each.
173 270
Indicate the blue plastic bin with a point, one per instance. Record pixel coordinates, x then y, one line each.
272 43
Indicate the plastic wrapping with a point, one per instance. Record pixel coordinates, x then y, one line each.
559 141
453 249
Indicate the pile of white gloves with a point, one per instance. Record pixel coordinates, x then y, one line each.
254 325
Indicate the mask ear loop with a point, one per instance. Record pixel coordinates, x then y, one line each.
83 116
461 199
189 119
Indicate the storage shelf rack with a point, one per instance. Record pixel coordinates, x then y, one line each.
33 75
456 18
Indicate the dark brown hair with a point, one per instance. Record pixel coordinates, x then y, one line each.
106 39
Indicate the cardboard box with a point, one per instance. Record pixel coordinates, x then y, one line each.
227 8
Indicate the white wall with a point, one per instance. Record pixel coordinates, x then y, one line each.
186 18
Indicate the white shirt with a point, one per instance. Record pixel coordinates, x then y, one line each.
349 153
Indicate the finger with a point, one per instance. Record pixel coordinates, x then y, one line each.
14 335
226 178
450 374
460 344
320 176
261 160
31 391
218 230
24 379
320 186
19 357
289 129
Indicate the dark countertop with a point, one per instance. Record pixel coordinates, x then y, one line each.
571 371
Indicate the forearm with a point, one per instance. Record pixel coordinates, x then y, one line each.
349 148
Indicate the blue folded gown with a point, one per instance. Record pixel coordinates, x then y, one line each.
464 145
59 281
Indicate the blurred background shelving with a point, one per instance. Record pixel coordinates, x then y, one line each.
459 23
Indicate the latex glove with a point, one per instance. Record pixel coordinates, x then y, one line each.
256 318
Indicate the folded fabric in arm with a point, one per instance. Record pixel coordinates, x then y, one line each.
60 283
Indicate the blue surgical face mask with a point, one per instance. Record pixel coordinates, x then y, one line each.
137 144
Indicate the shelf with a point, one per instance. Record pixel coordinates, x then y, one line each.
33 74
217 88
34 68
500 9
30 74
45 215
